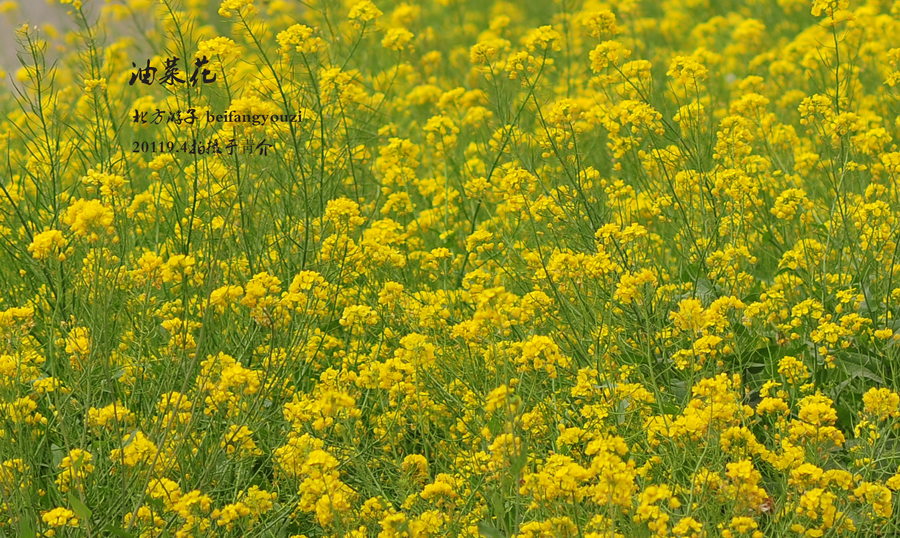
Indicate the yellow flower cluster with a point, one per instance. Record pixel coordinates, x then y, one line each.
524 269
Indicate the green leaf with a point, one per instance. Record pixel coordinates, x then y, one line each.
489 531
25 529
118 531
79 507
679 390
519 461
57 454
130 438
853 365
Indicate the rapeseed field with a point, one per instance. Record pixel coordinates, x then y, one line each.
439 268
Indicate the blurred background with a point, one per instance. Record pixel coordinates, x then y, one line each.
40 13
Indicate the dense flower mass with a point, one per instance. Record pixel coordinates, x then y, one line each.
575 268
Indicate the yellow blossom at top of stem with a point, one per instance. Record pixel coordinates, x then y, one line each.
881 403
364 12
89 218
398 39
542 39
45 243
601 23
218 48
138 450
829 7
60 517
608 53
227 7
299 37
